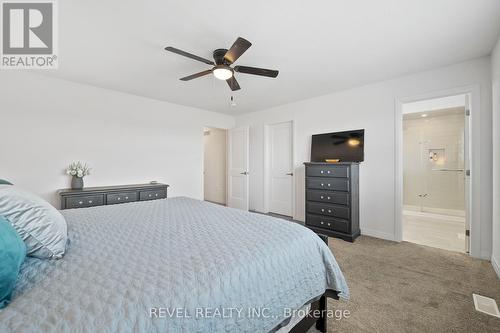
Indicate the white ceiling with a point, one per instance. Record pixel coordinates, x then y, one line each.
459 110
318 46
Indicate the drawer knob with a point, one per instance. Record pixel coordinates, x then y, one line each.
328 171
322 222
322 197
80 202
322 209
119 198
156 194
90 201
329 211
322 184
329 224
126 198
150 195
328 184
328 198
321 171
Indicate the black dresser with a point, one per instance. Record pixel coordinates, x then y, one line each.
332 199
110 195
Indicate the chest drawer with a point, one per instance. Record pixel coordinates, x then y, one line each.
334 184
341 171
341 212
339 198
84 201
116 198
152 195
327 223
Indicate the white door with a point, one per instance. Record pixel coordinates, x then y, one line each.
237 196
281 168
467 172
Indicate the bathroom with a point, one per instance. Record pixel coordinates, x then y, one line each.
434 175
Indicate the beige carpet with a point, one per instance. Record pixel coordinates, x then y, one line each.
403 287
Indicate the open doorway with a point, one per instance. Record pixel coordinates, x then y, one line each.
214 165
435 159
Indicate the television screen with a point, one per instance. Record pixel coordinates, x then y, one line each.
343 146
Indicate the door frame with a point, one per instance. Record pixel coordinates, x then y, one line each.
267 165
472 201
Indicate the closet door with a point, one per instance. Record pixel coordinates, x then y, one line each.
238 165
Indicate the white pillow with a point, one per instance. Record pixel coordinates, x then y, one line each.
41 226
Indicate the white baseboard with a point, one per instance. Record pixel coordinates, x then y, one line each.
496 265
377 234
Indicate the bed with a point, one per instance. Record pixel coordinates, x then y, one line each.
174 265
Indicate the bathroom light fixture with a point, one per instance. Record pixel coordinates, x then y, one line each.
222 72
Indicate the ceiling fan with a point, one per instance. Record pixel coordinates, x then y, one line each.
223 59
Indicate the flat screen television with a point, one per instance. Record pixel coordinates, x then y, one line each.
345 146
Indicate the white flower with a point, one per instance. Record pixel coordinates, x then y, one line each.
78 169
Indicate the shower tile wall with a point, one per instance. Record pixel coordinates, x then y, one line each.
442 138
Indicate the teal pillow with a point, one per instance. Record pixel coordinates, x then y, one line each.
4 182
12 254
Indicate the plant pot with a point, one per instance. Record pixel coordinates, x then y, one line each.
76 183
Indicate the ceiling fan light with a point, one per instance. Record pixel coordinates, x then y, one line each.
353 142
222 72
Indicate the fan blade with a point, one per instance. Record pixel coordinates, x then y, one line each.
233 84
239 47
189 55
256 71
197 75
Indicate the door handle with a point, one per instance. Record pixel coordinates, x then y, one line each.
290 174
244 173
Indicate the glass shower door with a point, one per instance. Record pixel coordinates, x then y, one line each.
442 169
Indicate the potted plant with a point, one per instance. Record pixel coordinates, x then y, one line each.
77 170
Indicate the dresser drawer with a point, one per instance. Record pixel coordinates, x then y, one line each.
116 198
84 201
334 184
327 223
341 212
341 171
339 198
152 195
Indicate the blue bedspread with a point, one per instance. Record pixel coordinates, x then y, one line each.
173 265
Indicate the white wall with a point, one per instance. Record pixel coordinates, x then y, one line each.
495 61
373 107
214 165
46 123
434 104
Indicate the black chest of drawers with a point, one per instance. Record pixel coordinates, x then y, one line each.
332 199
110 195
